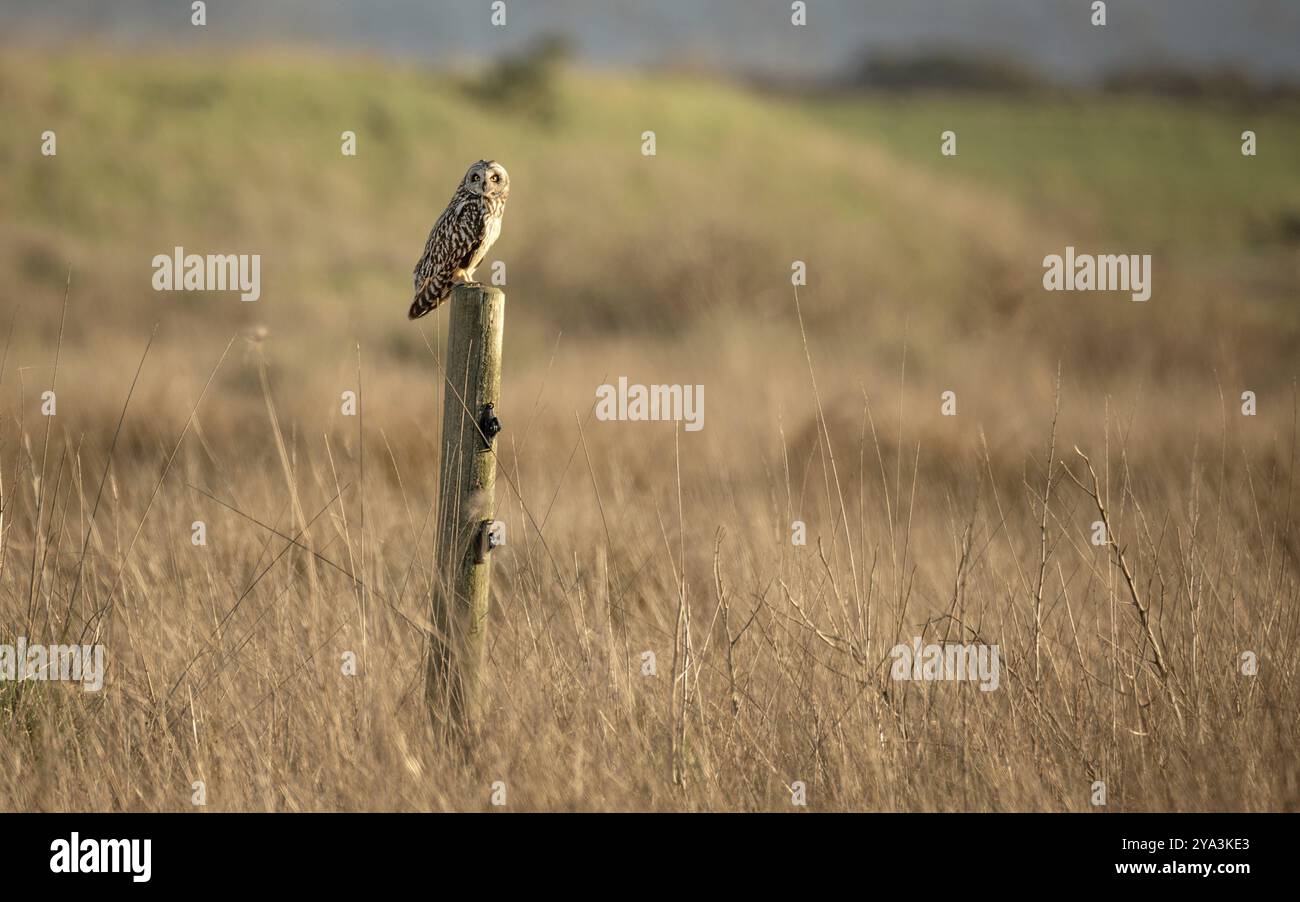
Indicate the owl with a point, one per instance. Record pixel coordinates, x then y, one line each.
461 237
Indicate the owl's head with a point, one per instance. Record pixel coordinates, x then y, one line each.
488 178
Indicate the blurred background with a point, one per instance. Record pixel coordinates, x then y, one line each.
1254 36
776 143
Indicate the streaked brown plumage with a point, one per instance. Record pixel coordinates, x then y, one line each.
461 237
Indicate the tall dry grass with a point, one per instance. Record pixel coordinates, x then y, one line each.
1121 662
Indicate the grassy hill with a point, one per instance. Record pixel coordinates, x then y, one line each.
244 155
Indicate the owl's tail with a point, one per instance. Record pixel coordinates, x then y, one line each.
425 300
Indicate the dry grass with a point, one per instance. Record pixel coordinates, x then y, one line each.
1120 662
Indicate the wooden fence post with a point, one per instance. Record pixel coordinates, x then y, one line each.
466 502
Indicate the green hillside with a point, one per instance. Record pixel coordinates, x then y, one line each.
243 155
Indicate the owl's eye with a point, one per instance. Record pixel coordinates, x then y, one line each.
474 177
496 178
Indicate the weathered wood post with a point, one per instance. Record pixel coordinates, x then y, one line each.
466 501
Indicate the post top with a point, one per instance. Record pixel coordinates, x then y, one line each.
473 288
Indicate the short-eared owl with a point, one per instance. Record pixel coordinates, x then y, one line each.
462 235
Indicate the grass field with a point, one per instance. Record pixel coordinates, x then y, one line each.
1121 662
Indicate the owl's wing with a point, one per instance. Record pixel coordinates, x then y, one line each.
471 229
451 245
427 263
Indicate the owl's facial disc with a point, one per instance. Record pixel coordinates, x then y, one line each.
487 178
